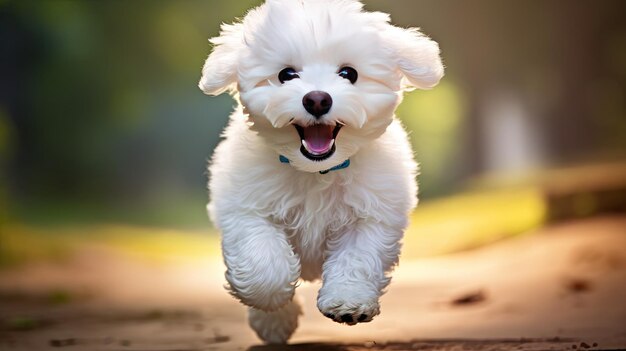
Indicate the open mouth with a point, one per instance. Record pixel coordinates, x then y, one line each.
318 140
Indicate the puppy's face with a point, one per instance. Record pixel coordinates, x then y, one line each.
318 79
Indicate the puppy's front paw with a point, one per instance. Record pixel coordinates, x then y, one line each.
348 304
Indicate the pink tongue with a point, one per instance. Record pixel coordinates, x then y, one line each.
318 138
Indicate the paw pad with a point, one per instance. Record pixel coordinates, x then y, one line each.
347 318
351 312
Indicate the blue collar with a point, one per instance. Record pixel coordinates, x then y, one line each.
342 165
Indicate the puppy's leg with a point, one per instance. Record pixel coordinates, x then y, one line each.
275 327
261 267
355 271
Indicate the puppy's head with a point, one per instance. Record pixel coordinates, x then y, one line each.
318 79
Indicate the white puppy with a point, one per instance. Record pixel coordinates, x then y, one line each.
315 177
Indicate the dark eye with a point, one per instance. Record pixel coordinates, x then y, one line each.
287 74
348 73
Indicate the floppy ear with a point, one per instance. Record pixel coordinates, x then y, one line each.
220 69
417 56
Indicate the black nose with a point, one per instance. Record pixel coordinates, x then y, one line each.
317 103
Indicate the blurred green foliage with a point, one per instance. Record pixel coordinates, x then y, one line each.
108 115
5 144
435 119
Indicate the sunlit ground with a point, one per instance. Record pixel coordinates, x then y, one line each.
557 281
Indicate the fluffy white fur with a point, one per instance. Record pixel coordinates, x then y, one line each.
284 222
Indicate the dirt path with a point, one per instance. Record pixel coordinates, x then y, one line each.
563 288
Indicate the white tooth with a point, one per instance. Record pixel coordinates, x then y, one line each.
306 146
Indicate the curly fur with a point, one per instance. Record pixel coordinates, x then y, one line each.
285 222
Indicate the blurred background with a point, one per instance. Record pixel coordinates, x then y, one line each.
101 119
105 137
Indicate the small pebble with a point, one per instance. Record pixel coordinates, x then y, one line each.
470 298
578 285
222 338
